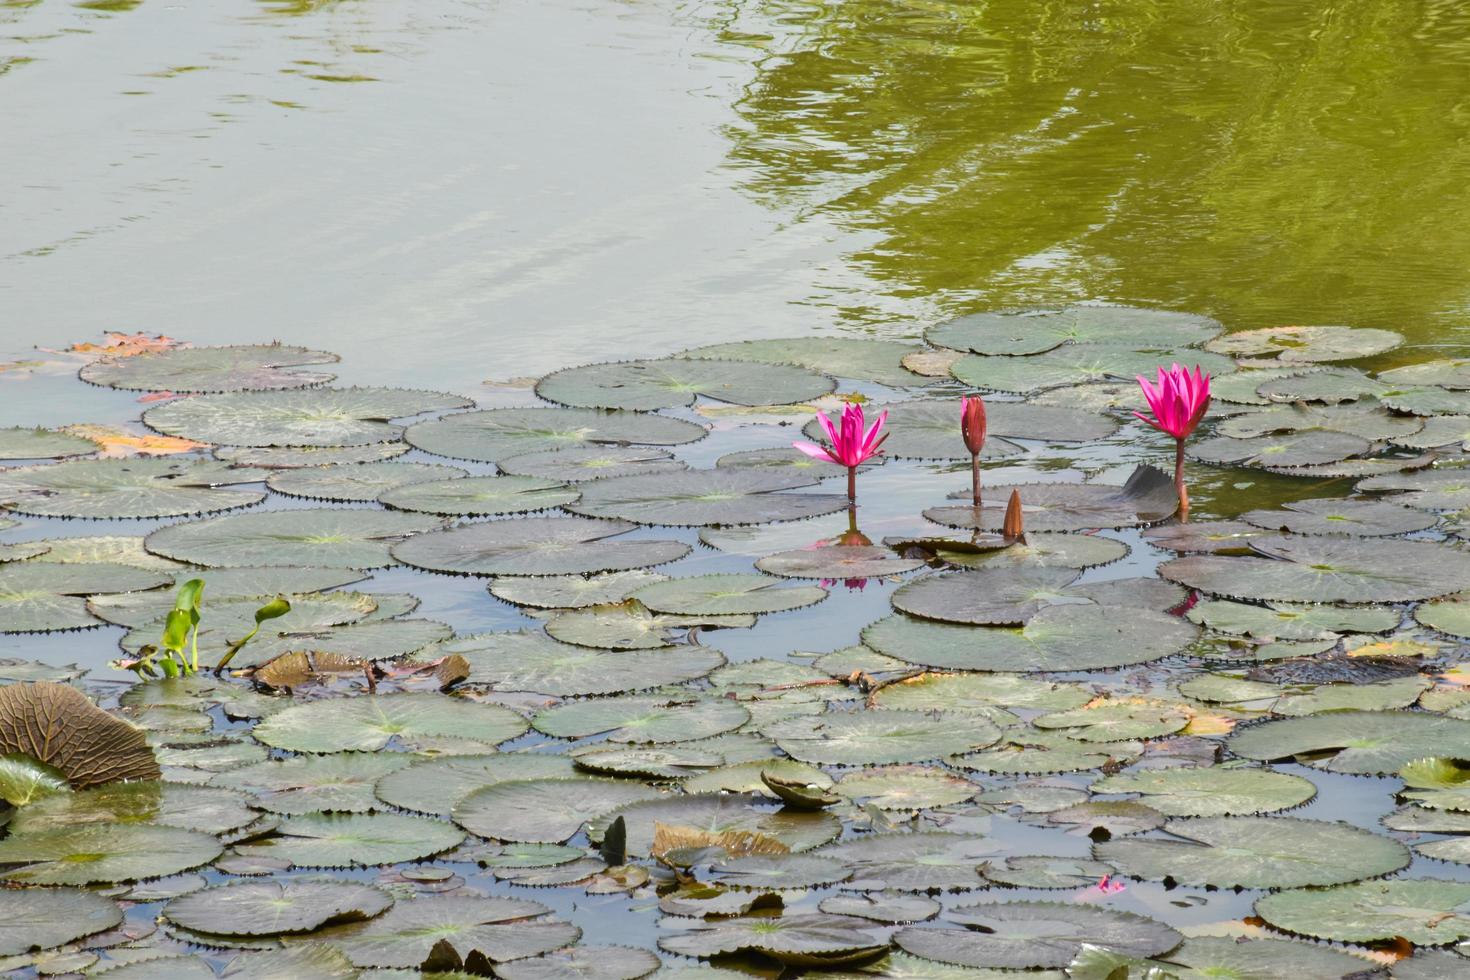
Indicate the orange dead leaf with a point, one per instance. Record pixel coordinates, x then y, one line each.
1457 676
117 443
1207 723
117 344
736 843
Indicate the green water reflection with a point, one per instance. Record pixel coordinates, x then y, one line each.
1264 162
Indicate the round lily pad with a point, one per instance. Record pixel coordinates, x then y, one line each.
1240 388
313 417
1437 489
631 626
205 809
1077 364
39 596
209 369
1307 345
1148 497
1423 911
1229 956
590 962
435 785
571 591
122 488
272 908
498 433
980 693
842 357
1453 373
1437 783
1116 721
877 737
375 640
1205 537
703 497
360 482
1030 935
335 537
316 960
499 928
998 596
779 871
289 457
1211 791
42 918
1332 386
1321 569
1452 431
1279 450
788 458
642 719
713 816
103 852
1031 751
113 549
1040 549
1427 401
673 382
811 939
480 496
647 762
914 787
725 595
547 811
1355 741
536 546
1034 331
1059 638
346 840
369 723
1364 518
837 562
19 442
1046 872
888 907
1365 418
591 463
535 662
309 783
1287 621
1448 615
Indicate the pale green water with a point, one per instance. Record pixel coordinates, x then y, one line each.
448 191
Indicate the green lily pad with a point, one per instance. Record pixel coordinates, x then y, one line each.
1427 401
369 723
645 762
1211 791
591 962
112 549
124 488
1206 537
536 546
480 496
436 785
1035 331
24 781
842 357
1366 419
1437 489
273 908
719 813
1147 498
500 928
703 497
748 777
1287 621
1307 345
980 693
1280 450
224 586
1046 872
1119 721
546 811
1059 638
1231 957
1453 373
210 369
103 852
726 595
1423 911
1332 386
534 662
1400 692
1355 741
631 626
1000 596
289 457
800 940
1321 569
1030 935
359 482
39 596
788 458
1364 518
1040 549
572 591
891 908
673 382
200 808
1025 750
309 783
878 737
347 840
1448 615
19 442
1241 387
913 787
43 918
1440 431
498 433
838 562
591 463
641 719
1437 783
316 960
778 871
1077 364
334 537
313 417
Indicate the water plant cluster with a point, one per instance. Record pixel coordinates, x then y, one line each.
1055 730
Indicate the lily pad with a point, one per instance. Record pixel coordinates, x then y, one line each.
1427 401
998 596
980 693
19 442
527 661
788 458
1040 549
1364 518
1280 450
1449 431
1332 386
126 488
726 595
201 808
309 783
359 482
879 737
1206 537
842 357
536 546
103 852
499 928
1213 791
1448 615
40 596
1231 957
704 497
273 908
1046 872
1365 418
1423 911
674 382
1437 489
1059 638
1117 721
1307 345
368 724
590 962
493 435
571 591
346 840
1287 621
42 918
838 562
631 626
436 785
57 725
316 960
779 871
716 814
289 457
642 719
210 369
1321 569
334 537
1147 498
547 811
1031 935
914 787
802 940
314 417
1077 364
1355 741
1437 783
480 496
1241 387
591 463
645 762
24 781
1029 751
1034 331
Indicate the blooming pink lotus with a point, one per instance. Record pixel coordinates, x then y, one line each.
852 445
972 427
1178 402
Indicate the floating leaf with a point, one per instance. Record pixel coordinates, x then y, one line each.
1029 935
1423 911
716 814
591 962
673 382
527 661
641 719
590 463
979 693
1447 489
876 737
1040 549
370 723
1355 741
1285 621
42 918
480 496
1228 956
1427 401
498 928
1366 419
1046 872
905 787
436 785
315 960
548 811
335 537
837 562
1449 615
209 369
1076 364
1240 388
726 595
305 784
1148 497
887 907
572 591
1034 331
866 360
998 596
779 871
1117 721
345 840
376 640
536 546
103 853
21 443
1026 750
496 434
288 457
1211 791
1307 345
315 417
40 596
1282 450
24 781
360 482
645 762
702 497
56 725
1206 537
201 808
809 939
272 908
629 626
1437 783
1365 518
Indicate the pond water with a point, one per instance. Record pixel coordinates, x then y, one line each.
453 193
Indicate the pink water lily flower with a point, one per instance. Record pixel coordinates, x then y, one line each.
852 444
1178 401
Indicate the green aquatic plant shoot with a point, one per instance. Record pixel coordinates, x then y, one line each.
181 630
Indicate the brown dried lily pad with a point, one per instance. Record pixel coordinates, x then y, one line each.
57 725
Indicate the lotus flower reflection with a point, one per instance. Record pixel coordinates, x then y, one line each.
1178 401
852 444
